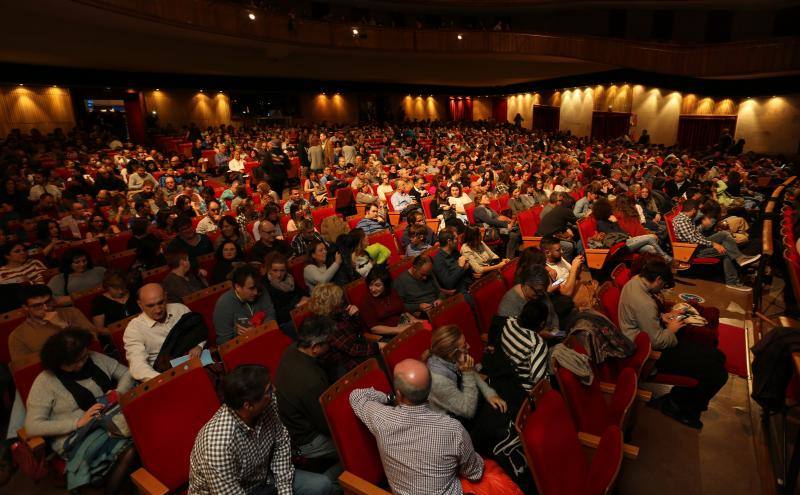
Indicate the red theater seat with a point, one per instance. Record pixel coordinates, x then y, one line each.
487 292
456 311
8 322
164 415
262 345
357 448
409 344
549 437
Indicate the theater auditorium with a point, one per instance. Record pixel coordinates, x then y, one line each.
441 247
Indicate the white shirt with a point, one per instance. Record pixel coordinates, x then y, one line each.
235 165
36 192
144 337
562 268
70 223
206 225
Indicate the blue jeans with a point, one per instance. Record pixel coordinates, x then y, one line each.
305 483
646 244
728 259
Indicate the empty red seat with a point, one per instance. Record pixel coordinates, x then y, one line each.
262 345
409 344
549 437
487 292
387 239
164 415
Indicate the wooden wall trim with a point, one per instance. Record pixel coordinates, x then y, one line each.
748 58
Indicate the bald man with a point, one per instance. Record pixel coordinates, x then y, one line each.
146 333
423 451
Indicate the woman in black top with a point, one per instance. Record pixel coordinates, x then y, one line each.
116 303
229 255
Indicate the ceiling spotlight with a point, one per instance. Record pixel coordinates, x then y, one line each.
220 91
158 89
21 84
154 112
460 37
355 32
201 90
251 16
57 86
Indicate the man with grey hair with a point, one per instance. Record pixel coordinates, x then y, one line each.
300 380
423 451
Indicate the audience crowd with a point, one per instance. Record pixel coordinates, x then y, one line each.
291 218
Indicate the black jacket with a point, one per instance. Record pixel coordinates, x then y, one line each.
188 332
557 220
772 366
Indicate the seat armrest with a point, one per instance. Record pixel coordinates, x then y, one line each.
147 483
596 258
35 444
592 441
372 337
683 251
353 485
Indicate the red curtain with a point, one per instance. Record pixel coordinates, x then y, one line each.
460 108
546 118
500 110
134 117
610 125
701 131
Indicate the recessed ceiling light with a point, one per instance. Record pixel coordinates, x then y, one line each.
252 16
460 37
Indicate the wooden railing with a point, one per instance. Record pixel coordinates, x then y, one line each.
771 57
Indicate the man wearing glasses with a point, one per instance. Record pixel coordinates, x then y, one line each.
44 320
244 447
210 221
639 312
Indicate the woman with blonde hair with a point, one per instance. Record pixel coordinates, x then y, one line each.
348 345
457 389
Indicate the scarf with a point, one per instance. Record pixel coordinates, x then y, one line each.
83 396
445 368
285 285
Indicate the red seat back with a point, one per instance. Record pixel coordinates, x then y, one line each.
83 300
165 414
155 275
621 274
469 209
548 437
25 372
203 302
357 448
609 295
117 332
410 344
487 292
397 268
119 242
503 200
320 214
529 221
509 271
8 322
387 239
299 315
587 227
296 266
207 261
121 260
456 311
668 217
426 206
262 345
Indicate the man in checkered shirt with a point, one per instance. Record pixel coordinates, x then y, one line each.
423 451
244 449
720 244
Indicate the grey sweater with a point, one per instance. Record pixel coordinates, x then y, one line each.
53 412
445 395
638 312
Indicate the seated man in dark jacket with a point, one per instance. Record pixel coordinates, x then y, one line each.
299 382
558 222
451 269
